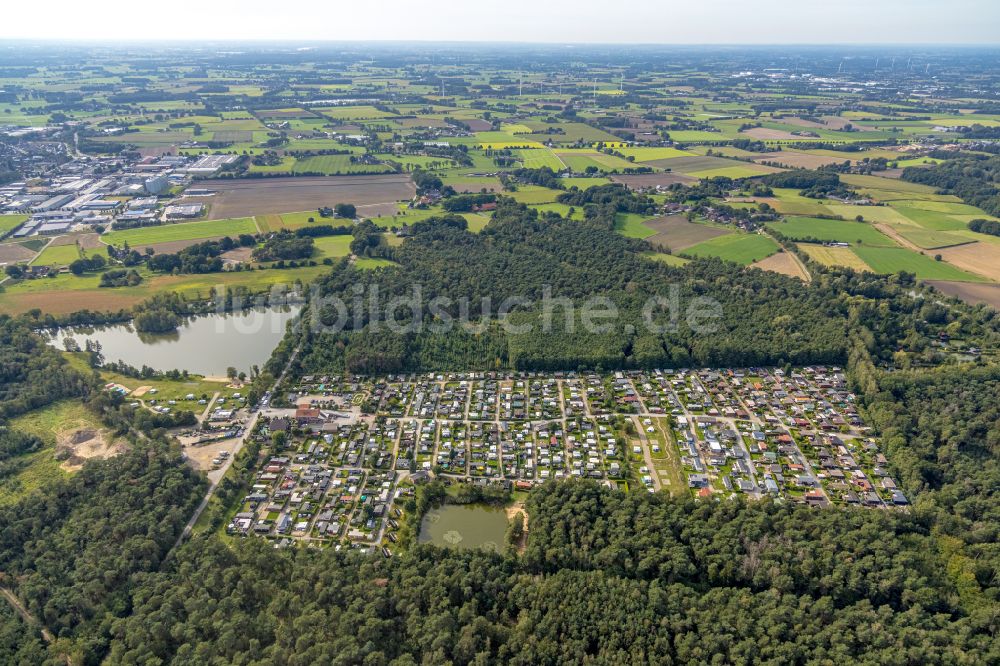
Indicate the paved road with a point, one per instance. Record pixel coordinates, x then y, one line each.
248 431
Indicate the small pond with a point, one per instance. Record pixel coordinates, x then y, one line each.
465 526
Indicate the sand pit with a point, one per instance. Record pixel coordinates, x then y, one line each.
82 444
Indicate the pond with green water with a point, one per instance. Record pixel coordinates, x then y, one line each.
465 526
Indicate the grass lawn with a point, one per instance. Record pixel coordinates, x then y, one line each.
301 219
631 225
583 183
741 248
166 389
68 293
562 209
798 228
478 221
284 166
895 259
332 246
668 259
367 263
182 231
667 461
790 202
532 194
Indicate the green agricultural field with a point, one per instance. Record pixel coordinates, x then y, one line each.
168 233
68 293
790 202
652 154
286 165
538 158
57 255
930 240
741 248
696 136
332 246
9 223
931 220
353 113
631 225
882 214
301 219
895 259
583 183
800 228
532 194
945 207
477 221
580 159
885 184
332 165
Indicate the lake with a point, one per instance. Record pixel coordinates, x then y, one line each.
465 526
205 345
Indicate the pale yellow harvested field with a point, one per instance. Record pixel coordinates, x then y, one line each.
834 256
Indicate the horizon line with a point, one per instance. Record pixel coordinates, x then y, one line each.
100 41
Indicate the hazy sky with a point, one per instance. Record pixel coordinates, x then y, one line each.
607 21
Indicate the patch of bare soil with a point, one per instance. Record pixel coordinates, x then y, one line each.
261 196
239 255
978 257
797 160
767 134
12 253
784 263
201 457
636 181
676 233
970 292
77 446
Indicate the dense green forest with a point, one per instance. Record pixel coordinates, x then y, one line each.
607 577
32 374
974 178
765 318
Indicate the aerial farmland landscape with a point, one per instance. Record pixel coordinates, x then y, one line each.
481 334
